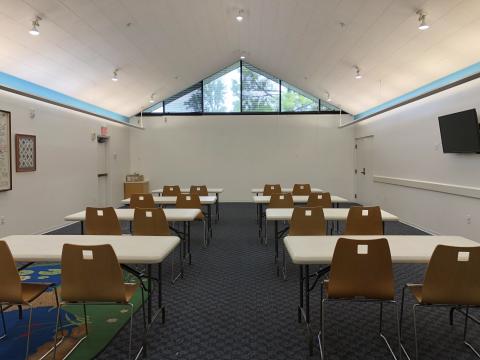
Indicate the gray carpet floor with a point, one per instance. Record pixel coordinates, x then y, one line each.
231 305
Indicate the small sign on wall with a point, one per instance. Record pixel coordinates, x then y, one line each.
26 153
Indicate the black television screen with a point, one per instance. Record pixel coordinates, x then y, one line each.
460 132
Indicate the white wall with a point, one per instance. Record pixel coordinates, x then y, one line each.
407 145
66 177
239 152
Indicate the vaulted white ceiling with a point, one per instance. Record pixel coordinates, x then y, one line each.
163 46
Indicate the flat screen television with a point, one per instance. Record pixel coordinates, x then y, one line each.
460 132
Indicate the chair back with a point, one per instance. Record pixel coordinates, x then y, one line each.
361 268
453 276
270 189
150 222
188 201
279 200
364 221
307 221
10 285
102 221
171 190
323 200
91 273
200 190
141 201
301 189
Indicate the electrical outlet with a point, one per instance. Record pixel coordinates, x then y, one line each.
469 219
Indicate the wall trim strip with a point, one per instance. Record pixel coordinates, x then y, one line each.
460 190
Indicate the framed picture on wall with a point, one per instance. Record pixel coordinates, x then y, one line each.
26 153
5 152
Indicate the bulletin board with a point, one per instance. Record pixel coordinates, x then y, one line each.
5 152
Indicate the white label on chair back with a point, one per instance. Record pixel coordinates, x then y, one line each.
308 212
99 212
281 197
364 212
87 254
272 187
140 198
463 256
362 249
148 213
198 188
171 188
320 196
188 198
302 187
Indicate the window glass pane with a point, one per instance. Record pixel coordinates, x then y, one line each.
221 92
260 91
326 106
159 109
189 100
296 100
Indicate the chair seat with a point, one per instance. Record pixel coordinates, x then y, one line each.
30 291
200 216
130 290
416 290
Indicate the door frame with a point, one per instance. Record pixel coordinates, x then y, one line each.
356 170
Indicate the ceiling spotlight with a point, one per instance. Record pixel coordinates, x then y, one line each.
35 25
357 73
239 16
115 74
422 19
328 96
242 56
152 100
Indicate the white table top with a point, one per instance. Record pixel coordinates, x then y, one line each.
211 190
127 215
329 213
298 199
284 189
129 249
311 250
171 200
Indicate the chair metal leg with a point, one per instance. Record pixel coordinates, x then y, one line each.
29 329
131 330
3 323
205 242
465 335
323 350
415 331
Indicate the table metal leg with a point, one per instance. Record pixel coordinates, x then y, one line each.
260 222
217 207
300 303
81 228
160 304
276 241
209 207
188 244
149 286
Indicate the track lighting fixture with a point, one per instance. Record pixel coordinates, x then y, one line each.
35 25
357 72
152 100
328 96
115 74
422 19
239 16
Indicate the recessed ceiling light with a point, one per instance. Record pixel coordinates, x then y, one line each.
422 19
239 16
358 76
115 74
35 25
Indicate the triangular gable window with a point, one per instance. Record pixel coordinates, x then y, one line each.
296 100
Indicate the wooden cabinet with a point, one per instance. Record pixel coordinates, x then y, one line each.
137 187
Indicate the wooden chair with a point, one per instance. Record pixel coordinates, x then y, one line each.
270 189
153 222
14 292
200 190
364 221
92 275
361 271
280 200
305 221
102 221
171 190
452 280
301 189
142 201
192 201
323 200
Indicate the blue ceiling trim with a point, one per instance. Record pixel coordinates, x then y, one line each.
26 87
439 83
